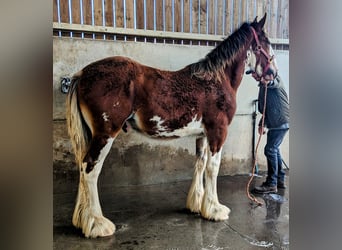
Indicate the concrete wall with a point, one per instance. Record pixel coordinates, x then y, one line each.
135 159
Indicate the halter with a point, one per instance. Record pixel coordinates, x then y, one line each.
259 49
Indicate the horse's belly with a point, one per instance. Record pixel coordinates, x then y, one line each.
194 127
160 129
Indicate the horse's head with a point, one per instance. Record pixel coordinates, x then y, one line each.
261 61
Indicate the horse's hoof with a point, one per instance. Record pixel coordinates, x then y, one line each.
99 227
216 212
222 213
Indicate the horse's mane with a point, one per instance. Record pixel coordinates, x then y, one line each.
212 66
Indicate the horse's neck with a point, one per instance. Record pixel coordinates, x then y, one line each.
234 73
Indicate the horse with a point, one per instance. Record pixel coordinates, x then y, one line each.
199 100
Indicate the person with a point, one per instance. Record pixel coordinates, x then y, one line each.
277 122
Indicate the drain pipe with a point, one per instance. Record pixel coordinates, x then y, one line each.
254 116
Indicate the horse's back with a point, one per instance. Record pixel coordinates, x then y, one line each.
114 66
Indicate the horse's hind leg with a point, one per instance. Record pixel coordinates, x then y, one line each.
211 208
195 195
88 214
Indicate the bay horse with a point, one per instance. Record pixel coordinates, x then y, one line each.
199 100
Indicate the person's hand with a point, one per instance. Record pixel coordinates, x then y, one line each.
267 79
261 130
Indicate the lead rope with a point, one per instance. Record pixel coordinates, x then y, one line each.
249 195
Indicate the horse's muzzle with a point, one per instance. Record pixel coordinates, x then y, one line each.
270 72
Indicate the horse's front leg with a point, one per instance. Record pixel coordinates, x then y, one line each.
195 195
88 214
211 208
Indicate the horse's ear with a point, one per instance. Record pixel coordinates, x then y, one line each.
255 19
262 22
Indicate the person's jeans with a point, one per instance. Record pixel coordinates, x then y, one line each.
275 172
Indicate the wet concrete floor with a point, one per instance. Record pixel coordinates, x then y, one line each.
154 217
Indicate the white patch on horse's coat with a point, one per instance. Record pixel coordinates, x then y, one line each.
195 127
105 116
105 150
116 104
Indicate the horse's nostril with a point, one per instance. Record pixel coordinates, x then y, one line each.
270 72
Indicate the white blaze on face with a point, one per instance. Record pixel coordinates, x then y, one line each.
194 127
259 70
250 60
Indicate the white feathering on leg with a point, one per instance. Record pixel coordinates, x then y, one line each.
211 208
196 191
88 214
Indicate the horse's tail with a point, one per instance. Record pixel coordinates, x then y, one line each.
77 128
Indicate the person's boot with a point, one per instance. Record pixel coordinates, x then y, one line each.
265 188
281 185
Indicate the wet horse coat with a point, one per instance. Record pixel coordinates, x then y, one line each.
109 95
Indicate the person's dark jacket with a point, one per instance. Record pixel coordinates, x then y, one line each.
277 104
